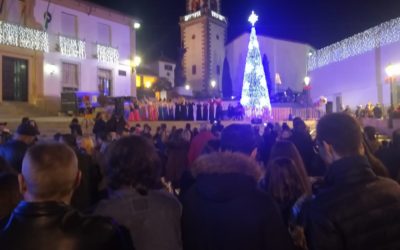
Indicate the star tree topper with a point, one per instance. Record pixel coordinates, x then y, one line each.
253 18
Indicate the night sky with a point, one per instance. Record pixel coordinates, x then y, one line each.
316 22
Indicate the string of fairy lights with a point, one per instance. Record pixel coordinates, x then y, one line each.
107 54
18 36
23 37
378 36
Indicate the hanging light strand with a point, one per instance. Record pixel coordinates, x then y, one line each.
378 36
23 37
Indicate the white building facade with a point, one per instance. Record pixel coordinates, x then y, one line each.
287 62
165 68
352 72
86 48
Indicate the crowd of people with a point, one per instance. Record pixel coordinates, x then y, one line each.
201 188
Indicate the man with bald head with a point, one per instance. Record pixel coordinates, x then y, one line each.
44 219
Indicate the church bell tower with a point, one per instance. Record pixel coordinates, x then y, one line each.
203 35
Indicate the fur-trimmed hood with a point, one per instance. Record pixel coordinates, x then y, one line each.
226 163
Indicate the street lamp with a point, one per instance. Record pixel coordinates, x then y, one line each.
307 80
136 25
213 83
187 87
137 61
392 71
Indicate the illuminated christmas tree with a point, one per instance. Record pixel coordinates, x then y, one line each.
255 96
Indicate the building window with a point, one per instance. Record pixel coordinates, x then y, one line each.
168 74
70 77
194 69
218 70
105 81
194 36
69 25
217 37
168 67
104 34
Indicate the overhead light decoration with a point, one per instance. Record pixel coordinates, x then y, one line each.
72 47
218 16
107 54
23 37
378 36
192 16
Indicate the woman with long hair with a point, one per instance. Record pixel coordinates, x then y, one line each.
287 182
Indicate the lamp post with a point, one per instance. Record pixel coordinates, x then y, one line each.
307 81
393 71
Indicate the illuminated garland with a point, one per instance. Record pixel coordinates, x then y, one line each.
72 47
107 54
18 36
378 36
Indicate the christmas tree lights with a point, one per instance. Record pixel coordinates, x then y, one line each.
255 96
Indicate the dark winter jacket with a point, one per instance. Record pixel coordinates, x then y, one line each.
13 152
56 226
355 209
226 210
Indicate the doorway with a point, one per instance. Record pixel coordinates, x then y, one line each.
15 79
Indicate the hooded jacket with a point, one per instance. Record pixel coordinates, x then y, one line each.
224 209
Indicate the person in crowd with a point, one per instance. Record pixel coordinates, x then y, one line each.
390 156
116 124
371 138
44 219
218 110
269 139
378 112
9 194
5 133
86 194
152 216
195 132
205 111
301 138
191 111
146 131
100 125
354 209
177 160
198 143
286 132
376 165
75 127
14 150
212 111
224 209
25 119
288 184
86 145
198 112
187 133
